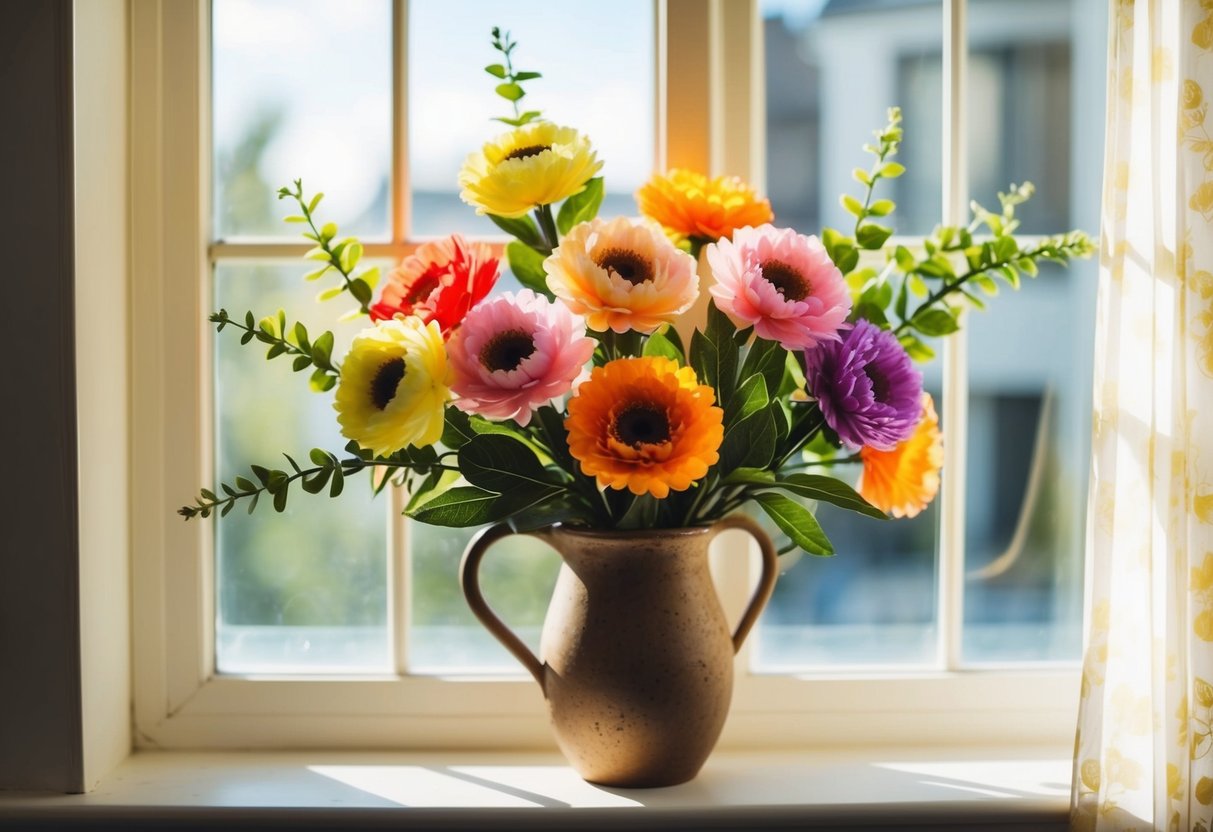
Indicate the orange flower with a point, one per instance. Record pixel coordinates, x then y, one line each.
904 480
689 204
645 424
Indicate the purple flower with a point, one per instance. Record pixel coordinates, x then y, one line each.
868 390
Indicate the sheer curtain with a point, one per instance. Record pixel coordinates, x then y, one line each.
1144 750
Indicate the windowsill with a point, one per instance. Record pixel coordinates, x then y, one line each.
971 789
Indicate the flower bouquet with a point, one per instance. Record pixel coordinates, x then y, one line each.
595 400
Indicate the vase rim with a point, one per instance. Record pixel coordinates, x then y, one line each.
630 534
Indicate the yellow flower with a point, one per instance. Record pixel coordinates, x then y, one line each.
646 425
1202 200
689 204
622 274
1193 94
393 386
537 164
903 481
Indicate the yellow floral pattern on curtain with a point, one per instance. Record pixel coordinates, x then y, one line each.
1144 750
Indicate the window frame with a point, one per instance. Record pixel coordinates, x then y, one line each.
710 115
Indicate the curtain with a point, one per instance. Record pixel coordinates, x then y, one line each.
1144 749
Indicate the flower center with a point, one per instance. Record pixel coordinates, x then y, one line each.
641 424
880 384
787 281
627 264
506 350
527 152
425 284
385 382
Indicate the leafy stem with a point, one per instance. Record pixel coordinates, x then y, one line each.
510 87
272 330
327 470
342 256
1003 258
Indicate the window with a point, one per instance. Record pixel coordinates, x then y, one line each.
338 623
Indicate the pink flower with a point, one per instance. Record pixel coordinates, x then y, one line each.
781 282
514 354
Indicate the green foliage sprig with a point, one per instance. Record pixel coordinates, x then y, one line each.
327 471
921 293
273 330
511 79
342 256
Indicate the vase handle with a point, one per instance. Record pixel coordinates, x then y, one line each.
469 578
766 583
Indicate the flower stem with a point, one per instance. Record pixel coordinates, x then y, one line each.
547 225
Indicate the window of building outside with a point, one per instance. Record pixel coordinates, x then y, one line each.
305 90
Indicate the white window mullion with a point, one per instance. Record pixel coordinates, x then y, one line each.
399 564
955 361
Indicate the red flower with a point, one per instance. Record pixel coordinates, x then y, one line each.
440 282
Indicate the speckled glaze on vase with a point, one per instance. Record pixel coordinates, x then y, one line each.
636 658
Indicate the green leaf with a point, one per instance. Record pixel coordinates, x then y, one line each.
751 397
750 476
871 312
768 359
552 423
500 463
660 346
456 430
361 290
872 236
496 70
522 504
510 91
938 266
748 442
715 353
830 490
881 207
580 207
848 259
527 266
322 349
916 348
459 507
797 522
935 322
523 228
853 205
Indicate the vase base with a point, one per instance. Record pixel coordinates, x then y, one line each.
642 781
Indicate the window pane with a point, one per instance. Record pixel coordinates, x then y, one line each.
874 602
301 89
517 576
304 590
1036 86
832 71
598 77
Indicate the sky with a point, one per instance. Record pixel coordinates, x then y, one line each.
327 68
